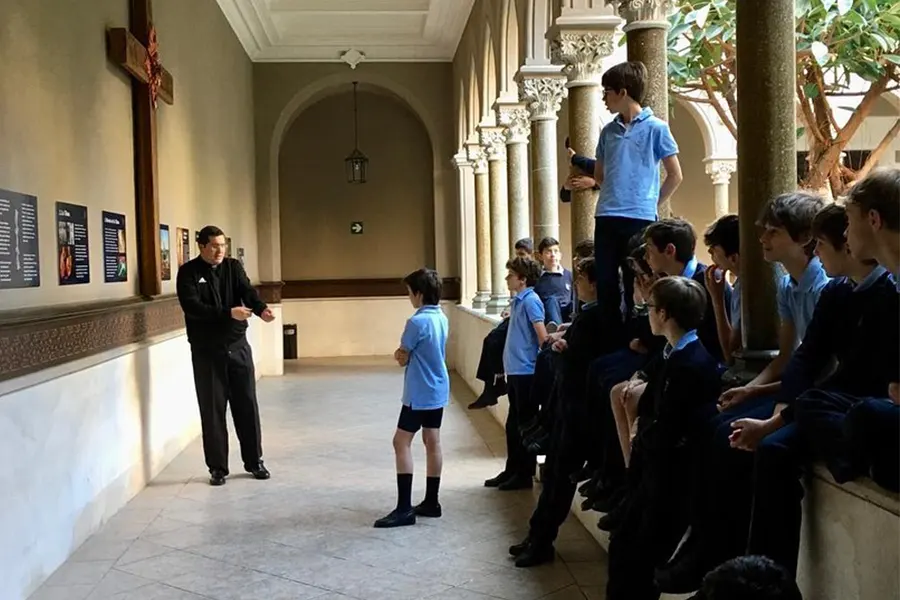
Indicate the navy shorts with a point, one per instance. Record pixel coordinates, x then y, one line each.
413 420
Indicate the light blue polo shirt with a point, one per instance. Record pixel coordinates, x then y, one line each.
687 338
690 268
521 348
426 383
797 299
736 305
631 154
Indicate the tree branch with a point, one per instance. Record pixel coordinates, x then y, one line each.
723 116
820 81
864 108
806 114
879 150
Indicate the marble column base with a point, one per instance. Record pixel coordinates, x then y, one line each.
481 299
497 303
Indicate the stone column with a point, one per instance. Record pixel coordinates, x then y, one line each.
767 159
543 89
514 120
720 171
494 144
465 230
646 31
581 44
482 221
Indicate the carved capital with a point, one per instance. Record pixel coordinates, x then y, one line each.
581 53
721 170
543 96
516 123
477 158
461 159
494 143
643 14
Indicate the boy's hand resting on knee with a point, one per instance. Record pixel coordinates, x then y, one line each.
401 356
734 396
748 433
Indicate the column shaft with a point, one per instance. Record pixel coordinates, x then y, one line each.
501 249
545 179
584 133
482 230
517 169
767 163
721 196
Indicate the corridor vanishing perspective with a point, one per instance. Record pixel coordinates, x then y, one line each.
307 533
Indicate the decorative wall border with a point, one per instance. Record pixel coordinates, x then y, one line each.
33 340
358 288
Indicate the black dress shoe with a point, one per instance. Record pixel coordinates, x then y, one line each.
259 470
432 511
517 482
517 549
397 518
483 401
684 573
613 519
496 481
535 555
217 477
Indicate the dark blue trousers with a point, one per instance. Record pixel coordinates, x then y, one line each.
611 236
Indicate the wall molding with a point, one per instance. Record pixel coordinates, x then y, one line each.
358 288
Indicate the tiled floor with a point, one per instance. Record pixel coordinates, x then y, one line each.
307 533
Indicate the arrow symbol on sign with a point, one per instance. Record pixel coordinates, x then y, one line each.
356 227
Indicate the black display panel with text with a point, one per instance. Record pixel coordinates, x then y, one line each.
20 264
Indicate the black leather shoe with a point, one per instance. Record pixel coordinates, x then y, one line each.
217 477
518 549
611 520
516 482
397 518
496 481
259 471
483 401
429 510
535 555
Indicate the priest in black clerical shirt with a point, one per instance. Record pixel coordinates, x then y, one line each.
217 300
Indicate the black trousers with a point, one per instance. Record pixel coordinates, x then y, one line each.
518 460
565 456
491 362
611 236
220 377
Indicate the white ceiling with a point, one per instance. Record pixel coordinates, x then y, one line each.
322 30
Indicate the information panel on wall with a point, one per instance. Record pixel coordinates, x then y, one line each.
115 258
19 255
165 250
183 240
73 258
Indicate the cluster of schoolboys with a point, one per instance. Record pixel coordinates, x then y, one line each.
621 384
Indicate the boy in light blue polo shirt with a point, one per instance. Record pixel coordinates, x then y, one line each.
629 152
523 341
426 391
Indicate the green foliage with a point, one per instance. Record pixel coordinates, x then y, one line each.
843 37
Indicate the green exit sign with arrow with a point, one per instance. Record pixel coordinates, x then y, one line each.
356 228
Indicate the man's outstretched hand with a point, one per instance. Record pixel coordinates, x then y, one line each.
267 315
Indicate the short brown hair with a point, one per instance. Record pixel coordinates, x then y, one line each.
584 249
525 267
426 282
547 242
880 191
794 212
683 299
586 267
629 76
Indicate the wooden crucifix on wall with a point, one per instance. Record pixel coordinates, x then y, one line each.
137 52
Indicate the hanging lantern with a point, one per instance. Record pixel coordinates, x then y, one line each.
356 164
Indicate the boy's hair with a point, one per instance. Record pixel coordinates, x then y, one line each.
749 578
584 249
526 244
725 233
830 224
547 242
629 76
587 268
526 268
880 191
794 212
683 299
677 232
426 282
637 260
210 231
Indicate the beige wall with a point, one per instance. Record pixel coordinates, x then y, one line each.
66 130
284 91
318 205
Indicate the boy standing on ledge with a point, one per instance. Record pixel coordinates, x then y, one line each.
426 391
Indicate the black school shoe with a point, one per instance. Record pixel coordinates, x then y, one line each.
535 555
517 482
483 401
259 471
516 550
217 477
432 511
397 518
497 480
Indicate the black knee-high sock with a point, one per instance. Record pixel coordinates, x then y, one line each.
404 491
432 484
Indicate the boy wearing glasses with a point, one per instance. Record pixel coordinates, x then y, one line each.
629 152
